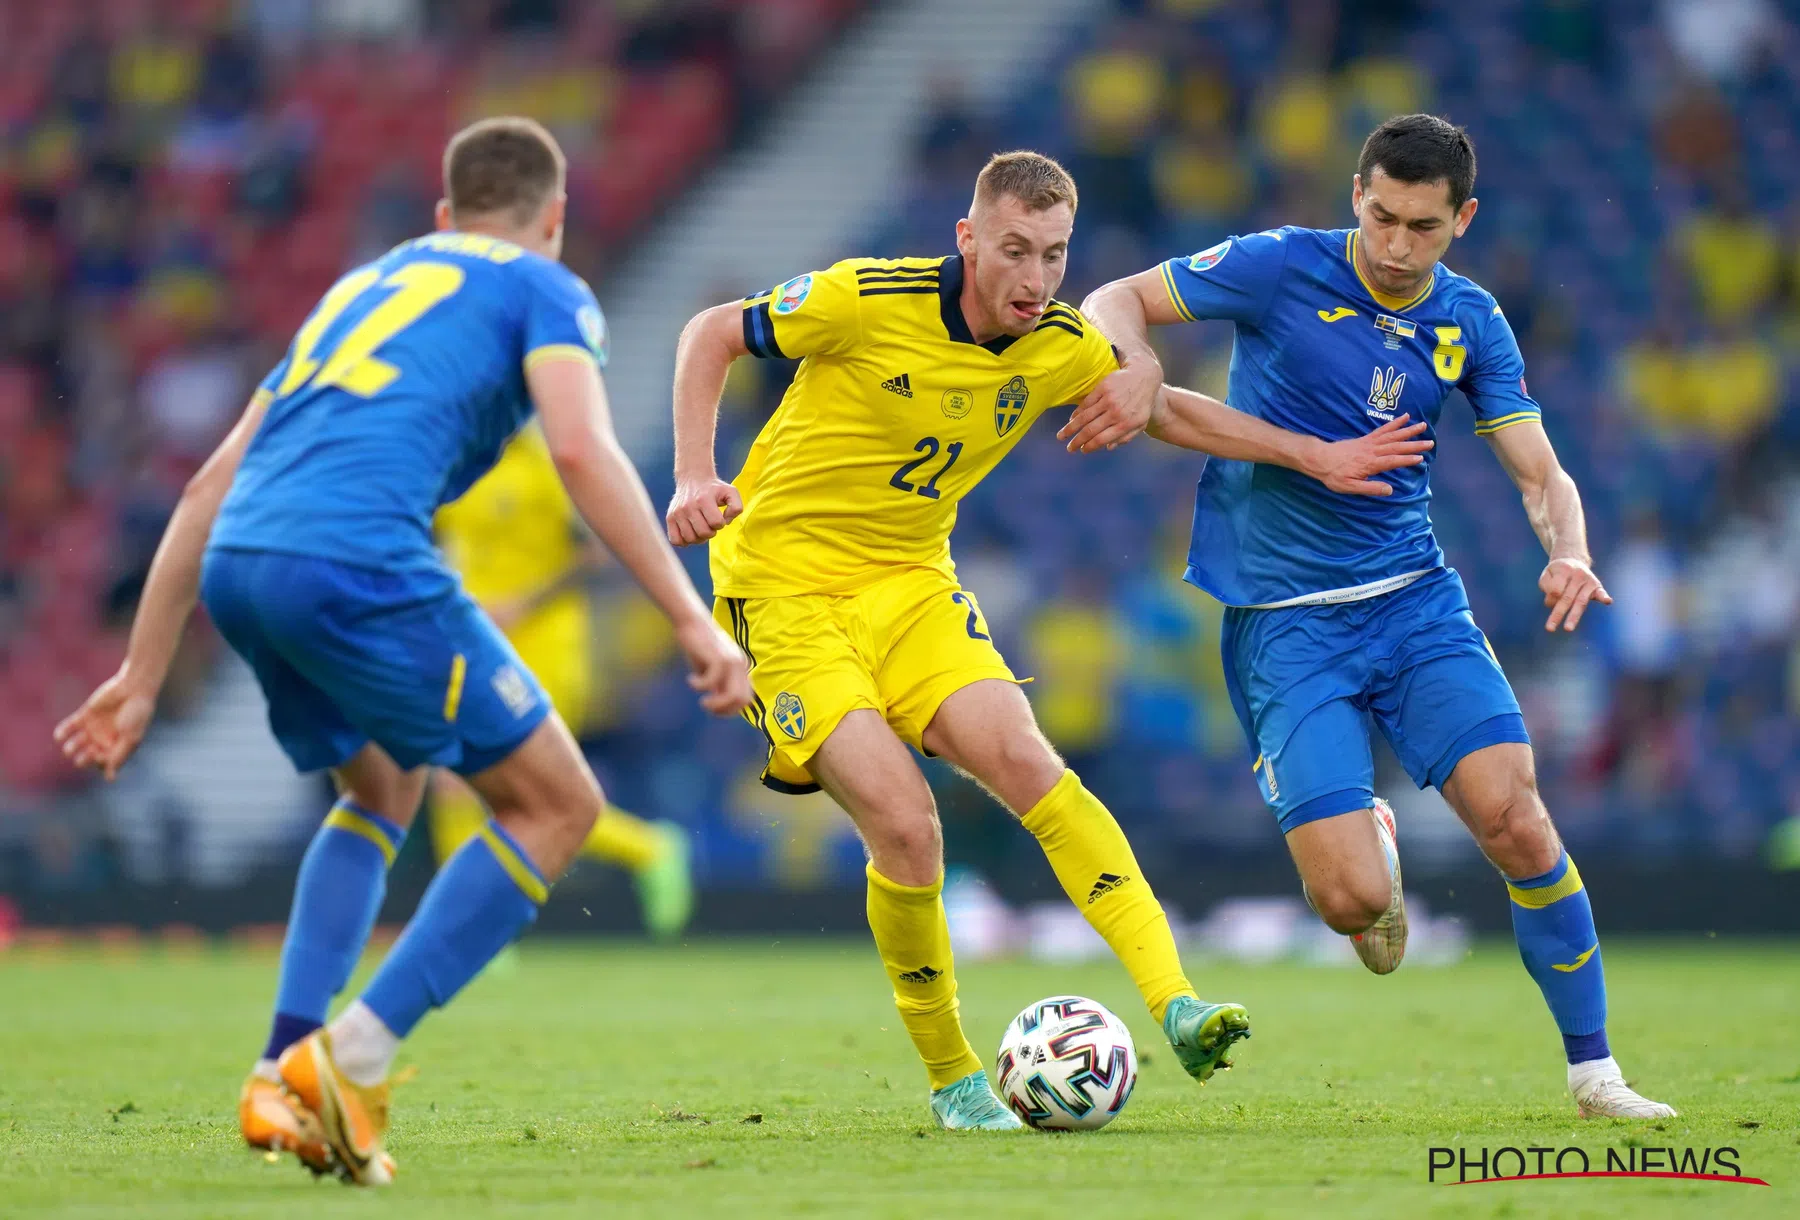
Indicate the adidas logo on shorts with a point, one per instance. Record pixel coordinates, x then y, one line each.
901 385
924 974
1107 883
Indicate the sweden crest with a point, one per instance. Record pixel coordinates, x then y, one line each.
1009 404
790 715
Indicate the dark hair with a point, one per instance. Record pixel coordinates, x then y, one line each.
502 165
1415 148
1035 180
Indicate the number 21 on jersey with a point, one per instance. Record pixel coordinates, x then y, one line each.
352 365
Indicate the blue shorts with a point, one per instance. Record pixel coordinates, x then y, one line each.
1306 681
347 655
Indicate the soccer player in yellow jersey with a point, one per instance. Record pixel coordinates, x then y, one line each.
525 556
831 565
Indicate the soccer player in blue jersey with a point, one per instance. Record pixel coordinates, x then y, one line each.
308 536
1341 609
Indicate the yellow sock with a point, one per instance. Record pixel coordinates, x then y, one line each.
1100 874
914 941
456 817
624 839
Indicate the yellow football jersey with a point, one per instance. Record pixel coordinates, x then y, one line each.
895 413
512 535
514 532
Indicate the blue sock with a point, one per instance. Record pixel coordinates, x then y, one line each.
483 897
1554 926
342 880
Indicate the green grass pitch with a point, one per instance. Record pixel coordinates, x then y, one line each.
613 1079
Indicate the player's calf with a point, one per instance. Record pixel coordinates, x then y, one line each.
1494 791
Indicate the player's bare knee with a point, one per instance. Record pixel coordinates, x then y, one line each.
1348 907
1516 834
908 849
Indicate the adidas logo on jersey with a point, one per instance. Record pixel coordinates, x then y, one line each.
901 385
924 974
1106 884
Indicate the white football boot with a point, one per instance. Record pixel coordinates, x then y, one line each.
1600 1091
1383 945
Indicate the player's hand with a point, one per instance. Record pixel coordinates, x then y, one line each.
717 667
1115 410
104 731
1350 466
1569 585
700 509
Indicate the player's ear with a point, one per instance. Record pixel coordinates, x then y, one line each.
443 215
1356 195
1464 215
554 214
965 237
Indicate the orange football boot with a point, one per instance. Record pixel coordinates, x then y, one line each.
354 1118
274 1119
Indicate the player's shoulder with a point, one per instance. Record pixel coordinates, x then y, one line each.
895 298
1063 322
1262 250
1461 296
875 278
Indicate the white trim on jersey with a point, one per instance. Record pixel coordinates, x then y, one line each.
1356 593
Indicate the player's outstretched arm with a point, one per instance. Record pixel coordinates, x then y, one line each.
1194 421
1553 505
703 502
606 490
1119 407
105 730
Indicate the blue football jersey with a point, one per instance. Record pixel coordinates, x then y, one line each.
1321 352
398 392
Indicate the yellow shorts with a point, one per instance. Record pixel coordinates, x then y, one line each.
901 646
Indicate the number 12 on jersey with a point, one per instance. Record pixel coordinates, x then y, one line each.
352 364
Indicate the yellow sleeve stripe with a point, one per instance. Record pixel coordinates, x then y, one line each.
262 397
1486 427
355 823
1540 898
1168 275
552 352
522 874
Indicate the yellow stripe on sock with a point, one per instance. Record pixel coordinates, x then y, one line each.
521 873
1540 898
459 669
342 818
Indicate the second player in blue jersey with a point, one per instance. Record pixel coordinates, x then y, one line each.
397 393
1341 613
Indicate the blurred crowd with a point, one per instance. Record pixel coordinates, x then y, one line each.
181 179
178 181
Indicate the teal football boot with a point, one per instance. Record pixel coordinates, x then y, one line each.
970 1105
1202 1033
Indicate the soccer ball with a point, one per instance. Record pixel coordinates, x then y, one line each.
1066 1064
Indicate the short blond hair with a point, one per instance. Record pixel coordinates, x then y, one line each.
1037 181
508 165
